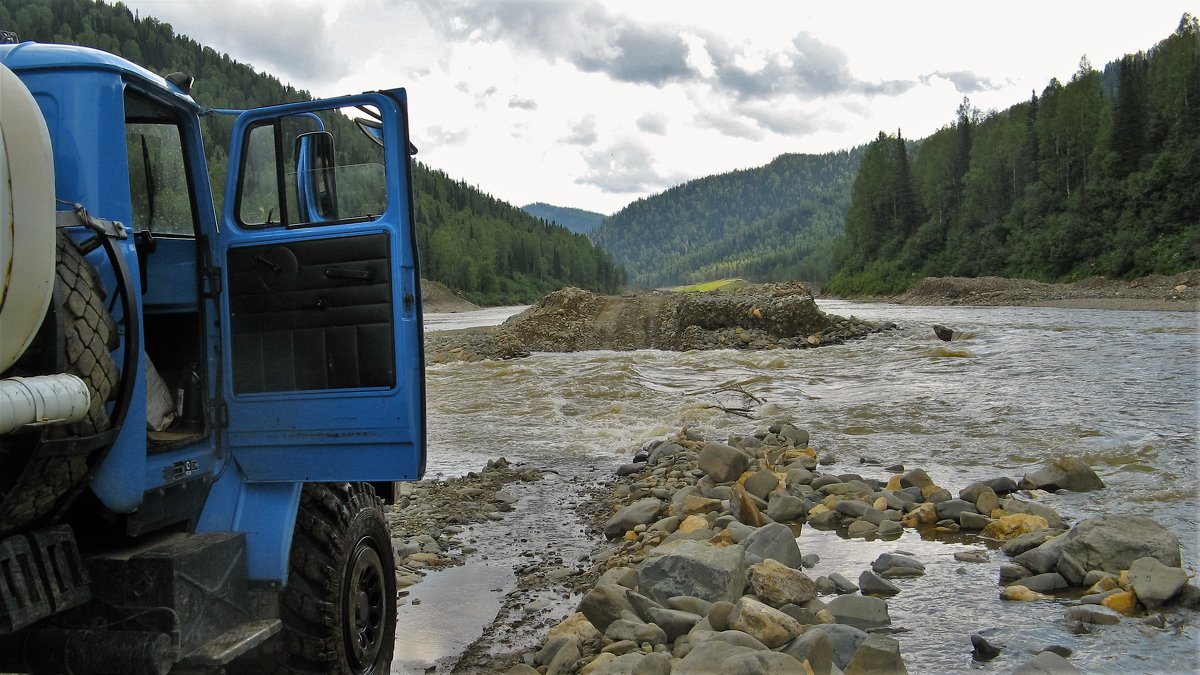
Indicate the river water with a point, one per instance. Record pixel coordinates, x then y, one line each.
1118 389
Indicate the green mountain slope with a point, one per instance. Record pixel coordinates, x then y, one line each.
578 221
770 223
1096 176
490 251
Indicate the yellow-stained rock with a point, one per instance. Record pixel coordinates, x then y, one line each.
575 625
831 501
1012 526
819 508
1123 579
880 504
925 514
893 483
1020 593
796 453
744 509
630 535
601 659
1124 602
929 489
997 514
1104 585
722 538
692 523
693 504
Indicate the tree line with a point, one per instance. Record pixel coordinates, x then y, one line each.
770 223
490 251
1095 176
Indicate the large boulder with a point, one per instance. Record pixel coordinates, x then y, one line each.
1155 583
604 604
860 611
693 568
777 584
641 512
1064 473
766 624
774 540
878 655
845 641
1112 542
722 462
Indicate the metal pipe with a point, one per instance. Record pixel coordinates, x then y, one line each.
45 399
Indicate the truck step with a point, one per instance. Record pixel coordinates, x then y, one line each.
41 574
228 646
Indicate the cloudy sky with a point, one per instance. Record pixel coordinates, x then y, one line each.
593 105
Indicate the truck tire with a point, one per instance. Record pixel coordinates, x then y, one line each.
339 606
31 484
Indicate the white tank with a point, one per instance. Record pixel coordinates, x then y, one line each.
27 227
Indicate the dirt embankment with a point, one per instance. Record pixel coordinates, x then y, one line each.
769 316
437 298
1177 292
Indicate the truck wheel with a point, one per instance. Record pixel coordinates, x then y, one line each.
31 484
339 607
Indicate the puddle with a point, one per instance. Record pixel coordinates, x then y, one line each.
456 605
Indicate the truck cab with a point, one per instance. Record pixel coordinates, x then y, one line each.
266 377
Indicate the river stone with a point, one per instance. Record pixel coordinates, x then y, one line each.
1013 572
861 528
826 519
814 647
706 658
969 520
845 640
559 653
1070 569
796 436
872 584
1155 583
642 512
766 624
784 507
776 541
674 622
1053 519
694 504
842 585
953 508
686 603
777 584
886 561
1102 616
798 475
723 462
1064 473
604 604
694 568
1002 485
641 604
638 631
1112 542
728 637
915 478
860 611
1044 558
1046 663
878 655
1050 582
890 528
744 508
852 507
1028 541
761 483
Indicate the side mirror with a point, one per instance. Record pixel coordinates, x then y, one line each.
316 188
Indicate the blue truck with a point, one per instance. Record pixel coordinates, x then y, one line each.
204 407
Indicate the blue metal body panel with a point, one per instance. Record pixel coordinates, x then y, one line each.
262 446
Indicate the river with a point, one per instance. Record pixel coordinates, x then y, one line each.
1118 389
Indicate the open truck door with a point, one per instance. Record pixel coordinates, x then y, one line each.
322 379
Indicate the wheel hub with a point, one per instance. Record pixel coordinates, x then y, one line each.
365 603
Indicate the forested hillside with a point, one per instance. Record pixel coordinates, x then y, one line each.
575 220
489 250
1097 176
770 223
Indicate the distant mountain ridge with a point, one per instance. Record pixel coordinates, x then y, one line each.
578 221
769 223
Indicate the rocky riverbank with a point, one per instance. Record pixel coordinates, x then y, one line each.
698 566
1177 292
769 316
